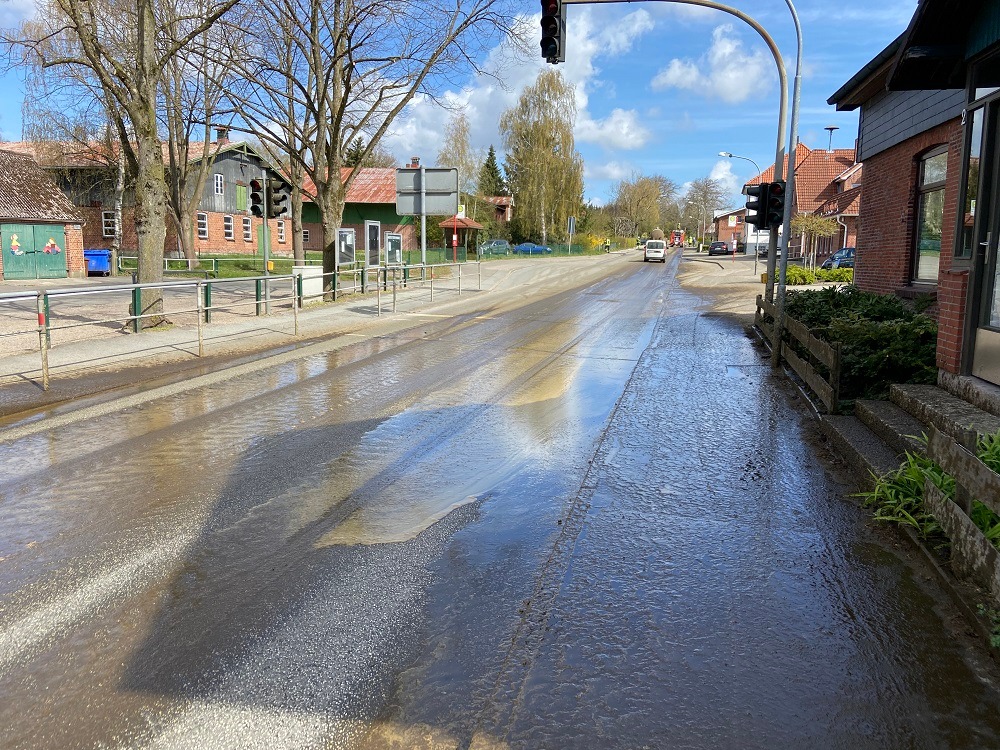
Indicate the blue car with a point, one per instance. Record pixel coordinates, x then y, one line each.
530 248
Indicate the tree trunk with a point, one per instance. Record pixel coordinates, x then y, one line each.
116 241
150 224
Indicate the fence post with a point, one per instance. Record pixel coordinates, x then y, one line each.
136 309
200 304
459 279
40 305
48 324
835 378
378 296
432 286
394 284
257 296
479 263
968 439
296 293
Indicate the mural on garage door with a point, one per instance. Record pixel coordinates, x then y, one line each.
33 251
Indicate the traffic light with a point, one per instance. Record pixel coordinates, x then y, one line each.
257 198
774 211
553 31
277 199
757 201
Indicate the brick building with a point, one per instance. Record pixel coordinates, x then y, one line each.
930 215
729 227
41 232
222 223
823 181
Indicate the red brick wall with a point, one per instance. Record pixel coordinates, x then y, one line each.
888 224
75 265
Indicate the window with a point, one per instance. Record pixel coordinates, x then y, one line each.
109 224
305 235
227 227
281 231
202 226
930 215
241 197
220 183
247 229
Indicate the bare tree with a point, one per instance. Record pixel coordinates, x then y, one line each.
704 197
352 68
456 151
126 45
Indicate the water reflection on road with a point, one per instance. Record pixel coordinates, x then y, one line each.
592 521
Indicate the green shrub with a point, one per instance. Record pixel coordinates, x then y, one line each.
797 276
882 340
841 275
899 495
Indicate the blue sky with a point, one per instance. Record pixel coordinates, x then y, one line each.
661 87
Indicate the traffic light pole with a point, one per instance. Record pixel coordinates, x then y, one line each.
267 249
779 155
779 322
774 242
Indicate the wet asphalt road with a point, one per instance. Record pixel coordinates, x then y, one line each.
592 521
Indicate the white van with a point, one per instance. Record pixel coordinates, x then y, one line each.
655 250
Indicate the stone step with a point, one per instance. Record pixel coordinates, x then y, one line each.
899 429
976 391
863 450
950 414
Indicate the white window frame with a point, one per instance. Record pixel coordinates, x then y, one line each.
247 229
109 227
305 235
220 184
281 231
202 225
227 227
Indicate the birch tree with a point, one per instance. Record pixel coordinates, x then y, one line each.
544 170
457 151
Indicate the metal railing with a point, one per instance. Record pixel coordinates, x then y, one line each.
202 301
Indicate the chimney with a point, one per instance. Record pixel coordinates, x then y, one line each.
414 162
222 135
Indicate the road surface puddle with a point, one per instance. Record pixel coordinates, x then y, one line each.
390 523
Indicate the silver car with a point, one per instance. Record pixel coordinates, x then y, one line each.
655 250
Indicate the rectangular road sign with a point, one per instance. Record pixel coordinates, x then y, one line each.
440 192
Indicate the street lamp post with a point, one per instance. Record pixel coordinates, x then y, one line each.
730 155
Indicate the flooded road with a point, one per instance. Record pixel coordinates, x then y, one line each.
590 520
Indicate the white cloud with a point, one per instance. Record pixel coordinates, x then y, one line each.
722 172
727 71
592 34
611 170
621 129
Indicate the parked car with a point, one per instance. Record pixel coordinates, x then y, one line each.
843 258
655 250
495 247
530 248
719 248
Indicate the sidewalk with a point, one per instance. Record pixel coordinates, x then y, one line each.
114 358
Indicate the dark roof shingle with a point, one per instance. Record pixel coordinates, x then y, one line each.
28 194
